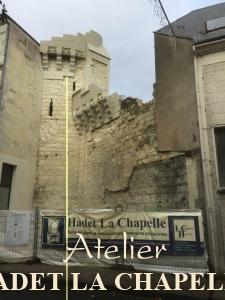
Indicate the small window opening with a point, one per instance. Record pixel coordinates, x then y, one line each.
220 151
74 85
50 112
215 24
5 185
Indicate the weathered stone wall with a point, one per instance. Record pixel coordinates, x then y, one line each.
72 57
91 109
20 114
119 165
176 113
113 160
100 74
115 165
157 186
50 185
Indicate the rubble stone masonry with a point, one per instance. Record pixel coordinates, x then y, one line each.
119 165
115 165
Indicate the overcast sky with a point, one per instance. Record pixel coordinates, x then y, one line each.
126 26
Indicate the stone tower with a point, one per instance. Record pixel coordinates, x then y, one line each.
85 61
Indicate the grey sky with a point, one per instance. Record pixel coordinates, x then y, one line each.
126 26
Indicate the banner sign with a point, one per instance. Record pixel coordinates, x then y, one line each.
53 231
181 232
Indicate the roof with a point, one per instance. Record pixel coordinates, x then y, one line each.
193 25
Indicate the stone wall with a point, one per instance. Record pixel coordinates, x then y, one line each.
113 155
20 113
154 186
74 57
116 164
119 165
176 113
50 185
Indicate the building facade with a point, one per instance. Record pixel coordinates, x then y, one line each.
196 93
19 116
123 153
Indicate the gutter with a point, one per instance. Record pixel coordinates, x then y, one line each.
176 36
210 41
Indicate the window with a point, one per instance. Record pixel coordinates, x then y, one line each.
220 154
50 110
5 185
215 24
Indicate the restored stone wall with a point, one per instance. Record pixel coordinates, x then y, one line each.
20 114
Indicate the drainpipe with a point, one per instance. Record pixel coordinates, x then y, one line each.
206 164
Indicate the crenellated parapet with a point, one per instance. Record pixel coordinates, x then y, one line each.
72 47
80 56
91 109
68 46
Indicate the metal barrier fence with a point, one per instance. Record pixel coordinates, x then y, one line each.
17 232
21 239
167 263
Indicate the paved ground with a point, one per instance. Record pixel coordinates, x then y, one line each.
87 275
79 296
